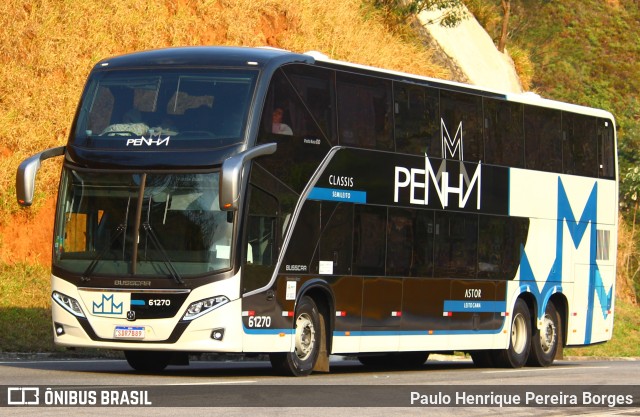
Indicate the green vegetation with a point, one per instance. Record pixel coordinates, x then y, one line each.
25 314
626 333
587 52
583 51
399 12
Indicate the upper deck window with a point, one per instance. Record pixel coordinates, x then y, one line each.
138 109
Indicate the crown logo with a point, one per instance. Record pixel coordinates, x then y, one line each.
107 306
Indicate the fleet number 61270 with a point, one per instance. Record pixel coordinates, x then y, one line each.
159 303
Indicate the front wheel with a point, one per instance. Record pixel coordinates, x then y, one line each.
516 355
544 342
308 334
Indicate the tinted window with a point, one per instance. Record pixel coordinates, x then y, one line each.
606 149
271 204
286 197
194 108
263 210
543 141
456 239
499 246
364 111
287 121
462 119
303 246
315 87
579 147
369 240
503 133
410 242
417 119
337 231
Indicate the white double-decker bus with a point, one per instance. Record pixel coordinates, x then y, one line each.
261 201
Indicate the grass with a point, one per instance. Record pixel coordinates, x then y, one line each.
626 335
25 313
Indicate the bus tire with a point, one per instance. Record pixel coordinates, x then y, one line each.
394 360
544 341
147 361
374 361
482 358
408 360
307 337
516 355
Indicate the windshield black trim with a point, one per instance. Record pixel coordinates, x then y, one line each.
141 170
157 283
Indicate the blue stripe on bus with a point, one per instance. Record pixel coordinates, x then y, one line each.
334 194
355 333
476 306
137 302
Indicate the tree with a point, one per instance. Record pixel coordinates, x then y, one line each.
399 11
506 11
631 194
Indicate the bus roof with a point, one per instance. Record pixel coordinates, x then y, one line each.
193 56
524 98
228 56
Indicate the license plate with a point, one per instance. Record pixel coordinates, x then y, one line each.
129 332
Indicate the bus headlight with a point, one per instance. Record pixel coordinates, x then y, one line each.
198 308
68 303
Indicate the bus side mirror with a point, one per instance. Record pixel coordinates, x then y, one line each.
26 175
231 176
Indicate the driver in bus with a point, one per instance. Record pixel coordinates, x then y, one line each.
131 123
277 126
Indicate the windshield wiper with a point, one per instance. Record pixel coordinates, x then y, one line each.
92 266
154 239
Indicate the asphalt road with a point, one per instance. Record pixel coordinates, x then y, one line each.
440 387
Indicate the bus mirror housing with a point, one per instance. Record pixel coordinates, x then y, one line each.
26 175
231 176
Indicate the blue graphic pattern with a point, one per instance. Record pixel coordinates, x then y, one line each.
334 194
474 306
107 306
577 230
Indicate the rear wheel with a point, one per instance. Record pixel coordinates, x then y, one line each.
515 356
301 361
544 341
148 361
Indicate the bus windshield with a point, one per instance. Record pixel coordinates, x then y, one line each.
142 108
153 225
